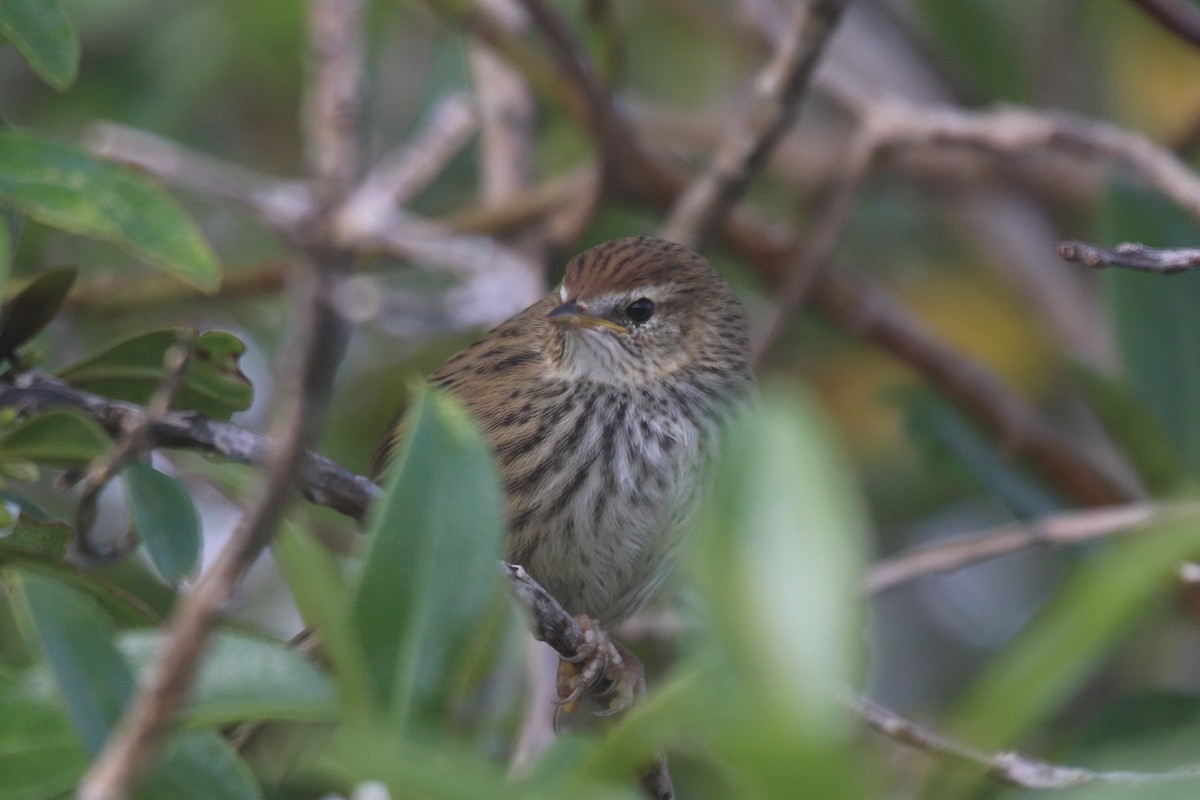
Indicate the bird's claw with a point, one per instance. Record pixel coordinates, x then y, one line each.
609 672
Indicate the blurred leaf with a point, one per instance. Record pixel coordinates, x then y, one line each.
69 189
243 677
989 42
77 639
961 454
1158 329
30 310
777 563
40 756
97 682
42 33
165 518
35 538
60 437
431 566
7 243
133 368
1138 433
1067 641
324 602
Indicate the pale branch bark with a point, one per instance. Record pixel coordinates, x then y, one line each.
321 479
305 370
1131 255
1068 528
1012 768
778 91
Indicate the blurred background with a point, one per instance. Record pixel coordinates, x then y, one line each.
961 236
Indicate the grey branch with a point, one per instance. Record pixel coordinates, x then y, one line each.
1013 768
698 213
1131 255
321 480
1060 529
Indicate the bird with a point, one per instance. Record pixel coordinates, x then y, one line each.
603 404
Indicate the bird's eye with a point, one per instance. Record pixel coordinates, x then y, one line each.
640 310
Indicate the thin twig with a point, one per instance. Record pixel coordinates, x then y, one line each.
135 435
778 91
306 368
1132 255
1068 528
1012 768
321 480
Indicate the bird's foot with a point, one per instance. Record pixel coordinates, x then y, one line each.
606 670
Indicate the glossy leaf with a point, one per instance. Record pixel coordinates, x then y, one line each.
67 188
40 755
42 33
133 368
165 518
777 561
243 677
59 437
431 566
31 309
32 537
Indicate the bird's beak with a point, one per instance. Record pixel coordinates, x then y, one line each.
571 315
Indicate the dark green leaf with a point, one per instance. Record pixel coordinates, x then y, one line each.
67 188
40 755
42 33
1158 329
1133 427
988 42
431 565
77 639
31 309
199 765
165 518
961 455
59 437
7 243
132 369
34 538
244 677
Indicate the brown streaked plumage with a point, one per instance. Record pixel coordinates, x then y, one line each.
601 421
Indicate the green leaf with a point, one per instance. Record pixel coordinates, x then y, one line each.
960 454
777 562
30 310
77 639
243 677
40 755
42 33
1135 429
7 243
1157 327
69 189
133 368
165 518
35 538
59 437
324 602
97 682
431 565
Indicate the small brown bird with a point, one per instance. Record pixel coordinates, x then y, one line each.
602 402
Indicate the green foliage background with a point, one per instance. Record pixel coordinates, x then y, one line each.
1085 656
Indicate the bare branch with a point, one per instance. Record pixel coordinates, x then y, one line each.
1178 16
1060 529
305 374
1132 255
1013 768
778 91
